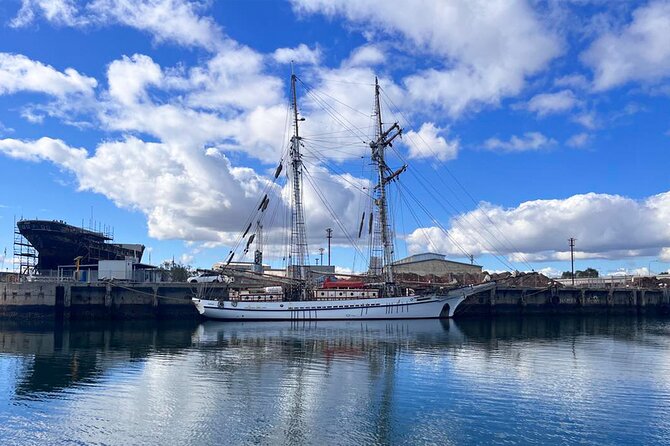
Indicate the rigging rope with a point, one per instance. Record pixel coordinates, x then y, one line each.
478 206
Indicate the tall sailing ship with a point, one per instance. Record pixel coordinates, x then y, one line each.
378 297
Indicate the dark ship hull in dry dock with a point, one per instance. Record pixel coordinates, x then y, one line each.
58 243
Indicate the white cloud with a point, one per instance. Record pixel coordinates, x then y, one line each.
302 54
486 49
184 196
605 226
185 183
578 81
664 255
245 117
29 115
167 20
44 148
578 140
19 73
129 78
550 272
186 188
191 194
4 130
175 21
548 103
186 259
233 77
61 12
638 52
587 120
642 271
530 141
366 55
427 143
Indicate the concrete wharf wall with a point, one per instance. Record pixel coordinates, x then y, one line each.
173 300
524 300
100 300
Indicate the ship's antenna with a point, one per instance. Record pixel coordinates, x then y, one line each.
298 242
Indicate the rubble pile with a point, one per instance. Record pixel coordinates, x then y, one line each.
519 279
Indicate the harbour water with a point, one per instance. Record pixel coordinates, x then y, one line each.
532 380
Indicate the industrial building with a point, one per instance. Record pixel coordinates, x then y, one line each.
435 265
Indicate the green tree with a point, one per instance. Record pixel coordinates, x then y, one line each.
587 273
175 272
566 275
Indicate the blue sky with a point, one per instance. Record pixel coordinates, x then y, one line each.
165 119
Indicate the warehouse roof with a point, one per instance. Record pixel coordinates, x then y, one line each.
427 256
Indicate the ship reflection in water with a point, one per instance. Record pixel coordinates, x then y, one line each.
531 380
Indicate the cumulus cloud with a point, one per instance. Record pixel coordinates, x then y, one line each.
427 143
235 125
486 50
175 21
43 149
530 141
639 51
129 78
366 55
185 183
233 78
549 103
187 194
302 54
19 73
605 226
183 197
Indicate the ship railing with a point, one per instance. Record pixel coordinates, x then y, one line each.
258 297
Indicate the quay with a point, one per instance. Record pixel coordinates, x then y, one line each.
170 300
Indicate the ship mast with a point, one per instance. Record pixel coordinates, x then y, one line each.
298 242
384 176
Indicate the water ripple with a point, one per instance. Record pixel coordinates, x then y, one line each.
515 381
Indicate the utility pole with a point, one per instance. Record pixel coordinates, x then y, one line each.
472 259
321 254
572 257
329 236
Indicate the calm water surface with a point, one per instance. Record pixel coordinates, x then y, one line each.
506 381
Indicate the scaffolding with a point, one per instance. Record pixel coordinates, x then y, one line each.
25 255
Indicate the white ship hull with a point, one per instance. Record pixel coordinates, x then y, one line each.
401 307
